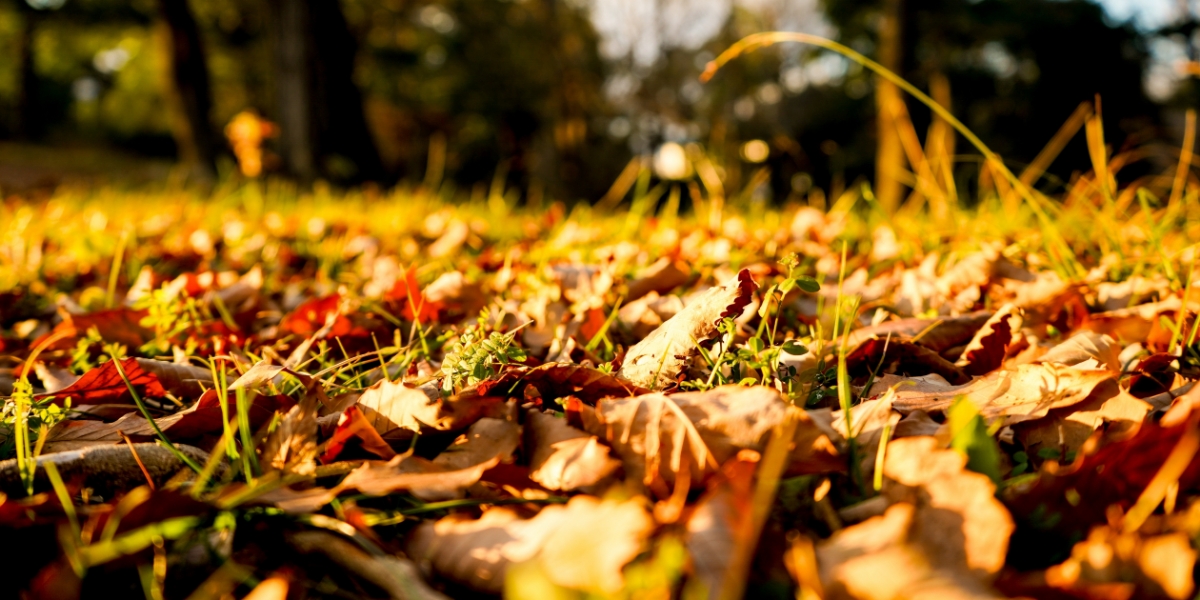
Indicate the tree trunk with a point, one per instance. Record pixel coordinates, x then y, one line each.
343 130
322 124
189 73
293 87
889 154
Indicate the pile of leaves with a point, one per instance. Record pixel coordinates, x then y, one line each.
347 401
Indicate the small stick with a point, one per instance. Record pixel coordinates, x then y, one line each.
140 464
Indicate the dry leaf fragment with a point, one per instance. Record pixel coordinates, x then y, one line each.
394 409
938 334
944 536
958 516
720 522
661 277
655 361
985 352
656 435
104 385
1085 350
1021 394
183 381
565 458
583 545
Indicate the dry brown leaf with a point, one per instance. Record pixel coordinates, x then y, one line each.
939 334
875 560
944 535
395 409
1085 350
880 356
583 545
53 378
1021 394
292 446
721 520
985 352
656 361
1067 429
483 446
1133 324
184 381
661 277
656 435
959 520
565 458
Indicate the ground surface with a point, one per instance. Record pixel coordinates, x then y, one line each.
383 395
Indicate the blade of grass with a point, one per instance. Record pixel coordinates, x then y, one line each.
137 399
1060 252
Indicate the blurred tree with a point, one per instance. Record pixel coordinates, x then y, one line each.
322 125
1017 68
27 123
189 73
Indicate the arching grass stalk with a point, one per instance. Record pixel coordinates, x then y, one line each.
1056 246
162 437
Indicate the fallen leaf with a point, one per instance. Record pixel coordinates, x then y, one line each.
352 425
661 277
564 458
985 352
873 561
583 545
1085 350
1067 429
292 447
939 334
117 325
944 535
882 356
656 434
1021 394
104 385
555 380
394 409
655 361
1105 475
721 521
958 518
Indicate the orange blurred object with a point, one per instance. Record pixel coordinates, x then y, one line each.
246 132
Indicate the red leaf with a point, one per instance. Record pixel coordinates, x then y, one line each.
120 325
103 385
352 425
205 416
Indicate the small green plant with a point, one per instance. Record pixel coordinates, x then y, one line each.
24 419
476 356
92 351
169 315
